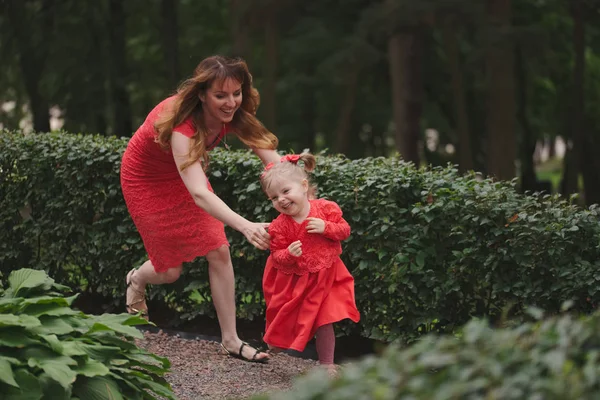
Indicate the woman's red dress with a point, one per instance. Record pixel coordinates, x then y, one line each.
173 228
315 289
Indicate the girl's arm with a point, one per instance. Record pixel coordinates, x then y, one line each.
279 248
267 156
333 226
195 181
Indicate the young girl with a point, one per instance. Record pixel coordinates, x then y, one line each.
306 285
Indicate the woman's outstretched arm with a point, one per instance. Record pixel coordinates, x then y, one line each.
267 156
195 181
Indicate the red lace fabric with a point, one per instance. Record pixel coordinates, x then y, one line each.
318 250
173 228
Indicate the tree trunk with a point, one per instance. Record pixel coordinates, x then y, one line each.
32 56
501 137
465 153
404 50
342 131
528 178
170 40
591 173
239 28
551 143
307 140
269 93
121 106
574 165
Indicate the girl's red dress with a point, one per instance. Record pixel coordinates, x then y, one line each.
315 289
173 228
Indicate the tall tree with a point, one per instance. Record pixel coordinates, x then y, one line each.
450 27
170 40
585 144
528 140
121 106
343 139
501 116
31 23
404 51
574 162
269 92
240 32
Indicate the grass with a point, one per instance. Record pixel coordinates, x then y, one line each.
550 170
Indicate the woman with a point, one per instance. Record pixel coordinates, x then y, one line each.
170 198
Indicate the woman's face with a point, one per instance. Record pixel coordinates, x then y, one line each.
221 101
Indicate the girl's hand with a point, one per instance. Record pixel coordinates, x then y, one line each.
315 225
257 235
295 248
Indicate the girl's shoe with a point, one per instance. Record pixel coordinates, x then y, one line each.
333 370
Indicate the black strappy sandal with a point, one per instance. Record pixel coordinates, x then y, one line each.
241 357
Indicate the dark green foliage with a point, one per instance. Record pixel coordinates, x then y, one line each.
553 359
429 248
50 351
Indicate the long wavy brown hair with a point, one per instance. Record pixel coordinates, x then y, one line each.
245 125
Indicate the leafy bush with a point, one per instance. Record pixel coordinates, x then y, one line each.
557 358
429 248
50 351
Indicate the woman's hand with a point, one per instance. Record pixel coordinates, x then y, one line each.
295 248
257 235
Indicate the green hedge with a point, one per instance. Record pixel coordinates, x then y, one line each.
429 248
553 359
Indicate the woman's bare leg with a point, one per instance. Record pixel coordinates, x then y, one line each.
222 286
147 275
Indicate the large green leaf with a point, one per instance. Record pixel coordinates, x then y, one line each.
115 341
97 388
6 373
53 325
15 337
162 390
149 358
25 321
56 366
53 390
23 279
106 324
73 348
92 368
100 352
29 384
45 305
54 343
9 305
57 369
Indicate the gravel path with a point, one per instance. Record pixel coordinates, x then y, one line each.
199 371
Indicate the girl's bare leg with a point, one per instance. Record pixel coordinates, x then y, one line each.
325 343
222 286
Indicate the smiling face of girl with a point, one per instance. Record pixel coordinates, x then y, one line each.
289 196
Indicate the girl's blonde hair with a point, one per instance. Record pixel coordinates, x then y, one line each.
214 70
291 166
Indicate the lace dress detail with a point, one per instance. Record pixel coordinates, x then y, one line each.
318 250
173 228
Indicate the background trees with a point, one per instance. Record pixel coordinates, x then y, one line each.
479 84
